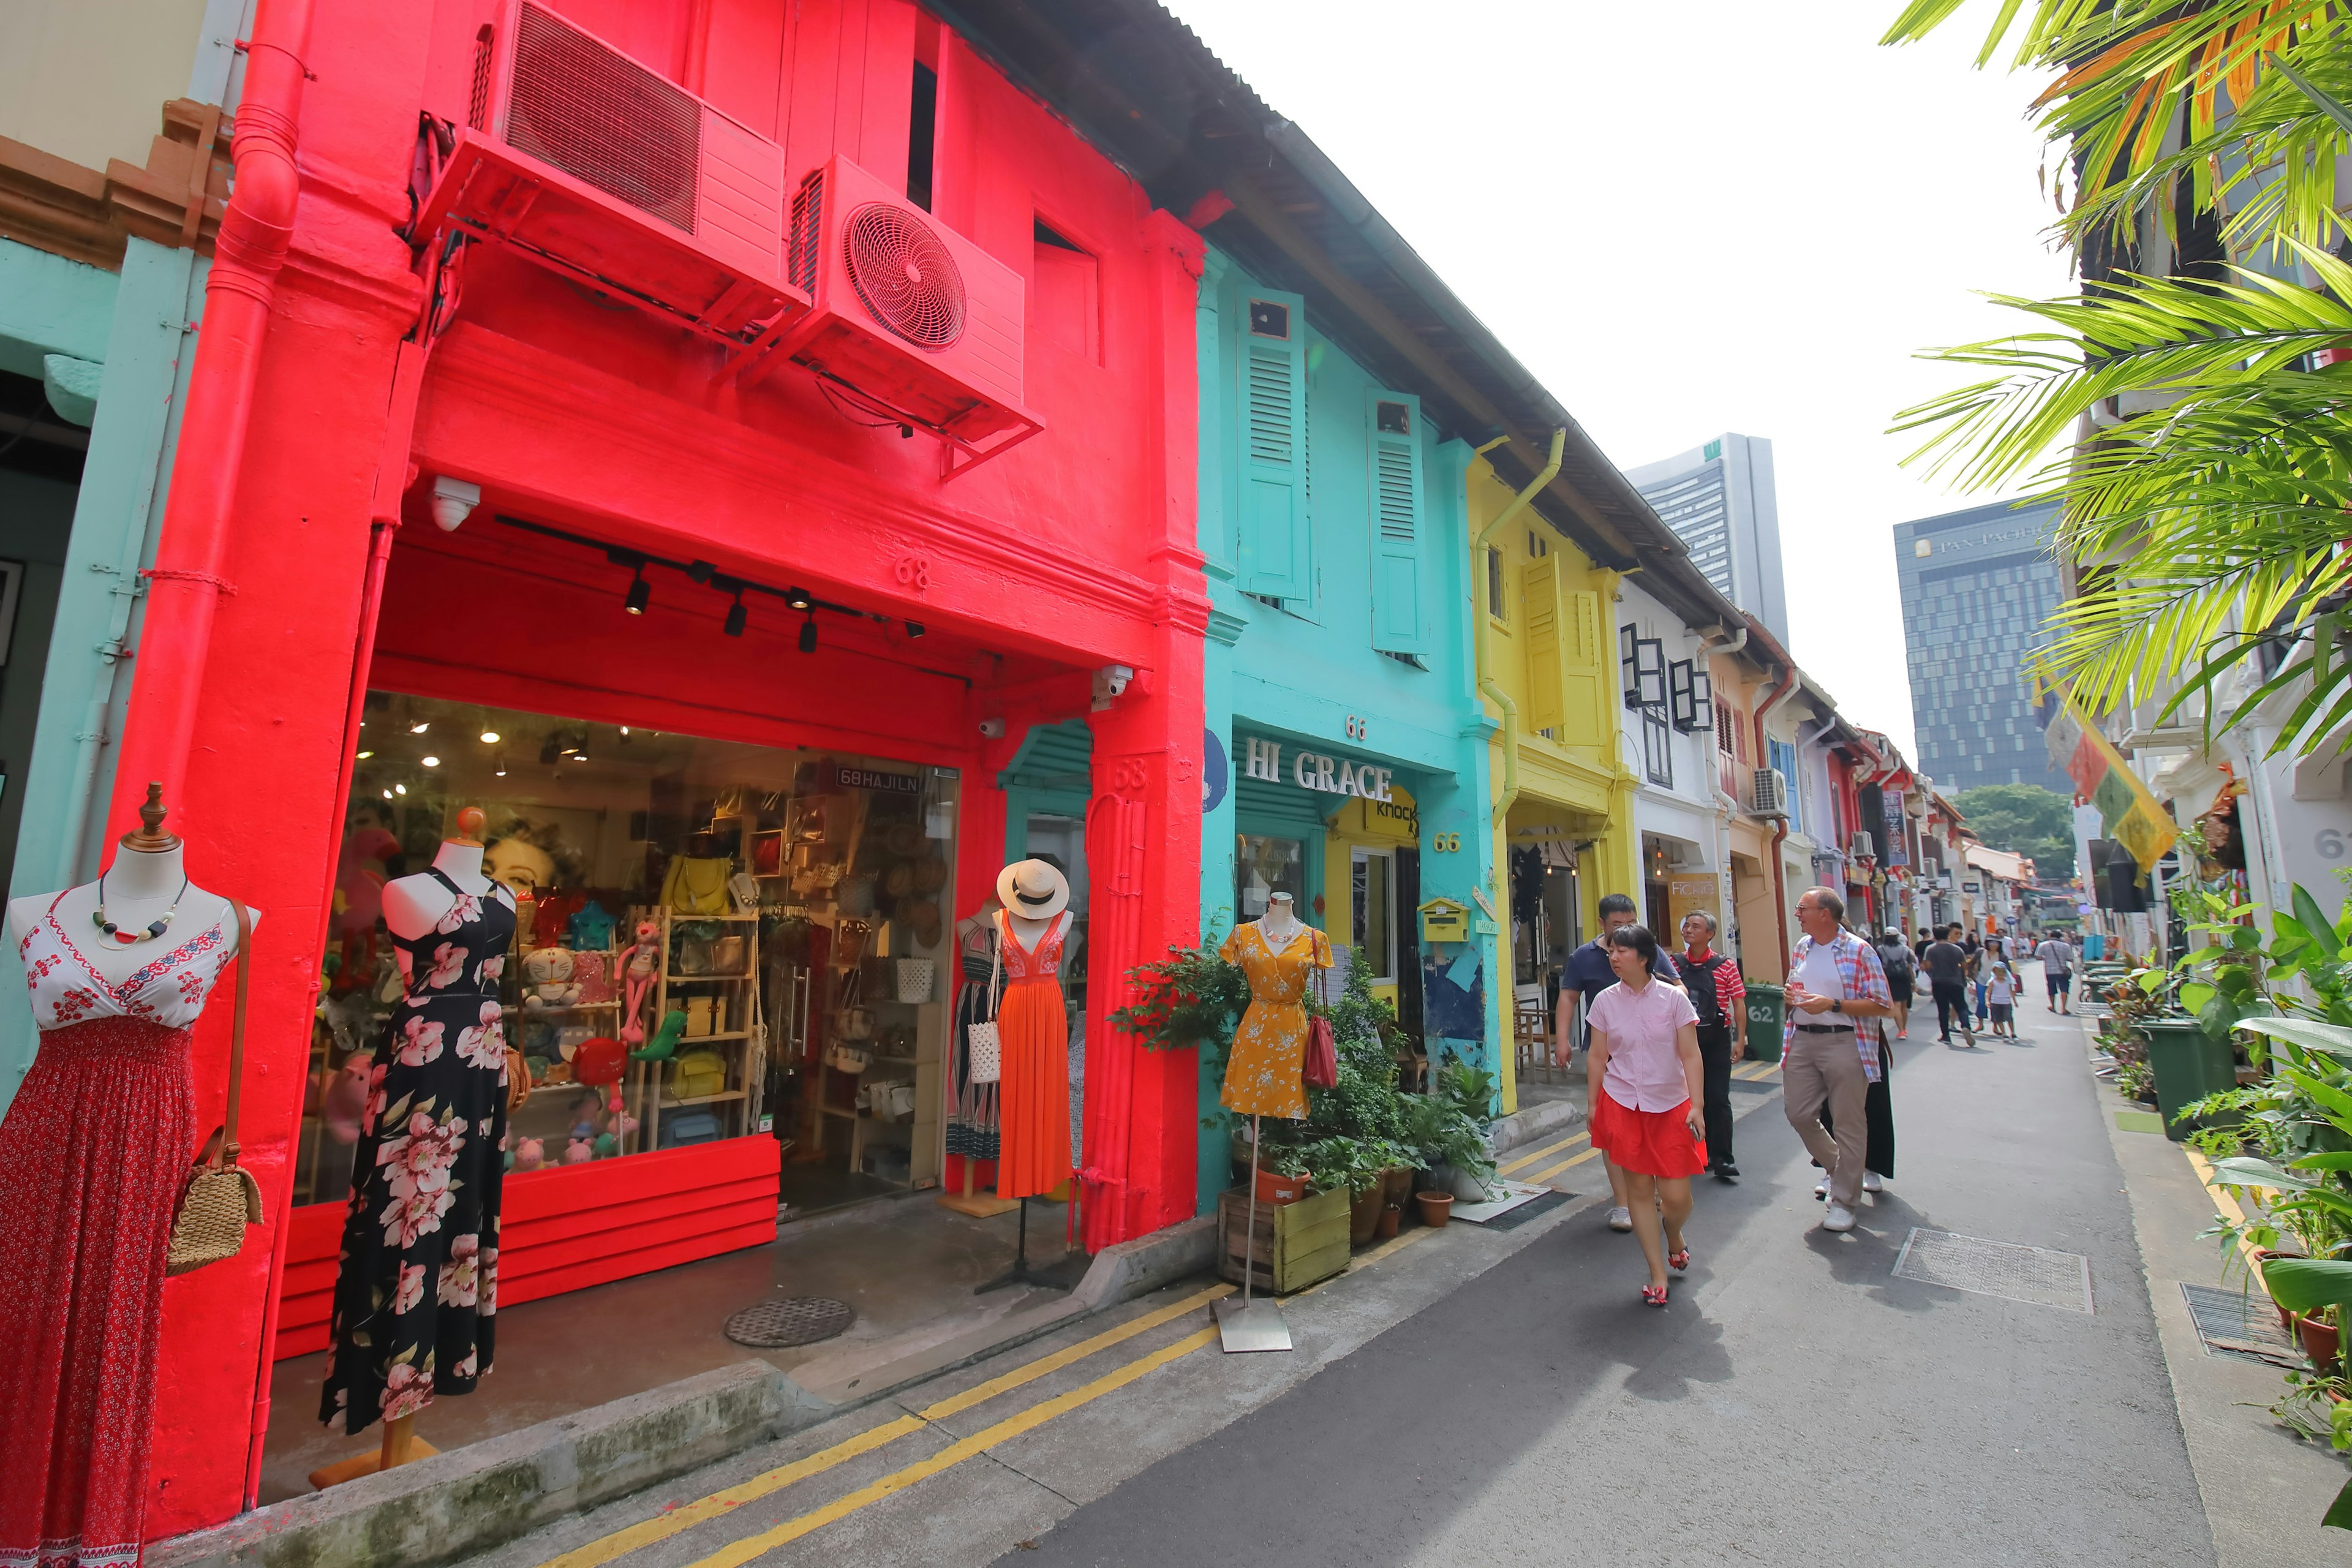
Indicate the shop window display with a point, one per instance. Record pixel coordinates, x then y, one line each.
714 939
1265 866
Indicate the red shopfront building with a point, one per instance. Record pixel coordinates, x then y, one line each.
622 486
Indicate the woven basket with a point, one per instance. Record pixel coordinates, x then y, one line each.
916 978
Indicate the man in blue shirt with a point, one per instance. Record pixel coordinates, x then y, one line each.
1589 975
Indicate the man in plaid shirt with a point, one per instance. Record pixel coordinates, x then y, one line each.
1836 985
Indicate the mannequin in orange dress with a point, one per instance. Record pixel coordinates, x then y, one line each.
1266 1073
1032 1028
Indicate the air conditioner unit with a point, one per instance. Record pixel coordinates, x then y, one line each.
1861 846
1769 794
582 159
913 322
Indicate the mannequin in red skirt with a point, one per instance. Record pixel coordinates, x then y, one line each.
1644 1071
93 1157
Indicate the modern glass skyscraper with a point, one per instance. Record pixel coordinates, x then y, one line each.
1978 587
1718 500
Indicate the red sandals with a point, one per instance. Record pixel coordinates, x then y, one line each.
1678 1261
1653 1295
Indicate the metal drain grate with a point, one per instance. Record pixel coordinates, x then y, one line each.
2032 1274
790 1321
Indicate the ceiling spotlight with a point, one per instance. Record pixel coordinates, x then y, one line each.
798 598
489 737
808 633
400 789
914 628
366 755
430 762
502 765
737 617
624 731
702 571
387 795
640 594
420 728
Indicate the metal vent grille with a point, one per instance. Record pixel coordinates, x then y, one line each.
907 280
478 109
2039 1275
603 118
807 238
1394 502
1269 406
781 1321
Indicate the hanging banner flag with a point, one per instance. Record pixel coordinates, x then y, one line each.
2130 814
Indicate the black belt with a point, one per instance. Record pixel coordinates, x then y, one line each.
1824 1028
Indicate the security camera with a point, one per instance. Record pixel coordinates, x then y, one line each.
994 729
1109 681
454 501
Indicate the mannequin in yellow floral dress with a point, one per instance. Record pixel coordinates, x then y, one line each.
1265 1076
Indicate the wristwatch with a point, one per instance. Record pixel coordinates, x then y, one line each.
1837 1006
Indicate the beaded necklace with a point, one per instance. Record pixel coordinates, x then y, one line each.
155 929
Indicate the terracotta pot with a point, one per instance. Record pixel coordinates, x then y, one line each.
1392 1215
1279 1190
1396 1182
1364 1210
1436 1208
2320 1342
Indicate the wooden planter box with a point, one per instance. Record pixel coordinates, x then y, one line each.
1295 1245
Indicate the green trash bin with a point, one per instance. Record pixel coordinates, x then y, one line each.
2189 1065
1767 1010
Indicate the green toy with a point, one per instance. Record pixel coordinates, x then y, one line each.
607 1146
663 1043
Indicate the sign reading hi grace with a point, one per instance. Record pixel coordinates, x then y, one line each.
1312 770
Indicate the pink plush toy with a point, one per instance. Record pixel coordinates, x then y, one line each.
579 1152
637 985
529 1154
347 1097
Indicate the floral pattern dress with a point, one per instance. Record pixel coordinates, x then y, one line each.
1267 1073
418 1292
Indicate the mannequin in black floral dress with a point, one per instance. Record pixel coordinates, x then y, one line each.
418 1287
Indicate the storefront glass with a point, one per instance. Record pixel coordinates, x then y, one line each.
1265 866
788 982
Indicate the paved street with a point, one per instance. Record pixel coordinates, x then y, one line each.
1795 1404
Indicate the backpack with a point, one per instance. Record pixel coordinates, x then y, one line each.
1698 979
1895 959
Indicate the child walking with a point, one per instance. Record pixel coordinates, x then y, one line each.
2000 996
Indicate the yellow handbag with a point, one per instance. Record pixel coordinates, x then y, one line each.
221 1198
698 1075
697 887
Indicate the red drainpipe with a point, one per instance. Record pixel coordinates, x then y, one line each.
1779 833
184 587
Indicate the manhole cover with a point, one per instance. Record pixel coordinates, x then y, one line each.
790 1321
2033 1274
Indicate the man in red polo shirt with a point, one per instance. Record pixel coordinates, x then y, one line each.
1721 997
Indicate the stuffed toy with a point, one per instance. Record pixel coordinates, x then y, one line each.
598 1061
529 1155
346 1098
579 1152
638 986
664 1041
592 929
548 971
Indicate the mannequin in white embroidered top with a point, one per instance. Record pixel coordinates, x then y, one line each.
93 1158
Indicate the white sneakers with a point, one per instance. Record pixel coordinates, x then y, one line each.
1839 1217
1620 1219
1821 1187
1871 1181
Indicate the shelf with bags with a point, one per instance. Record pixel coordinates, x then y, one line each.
701 979
669 1104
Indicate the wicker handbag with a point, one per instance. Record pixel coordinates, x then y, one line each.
222 1197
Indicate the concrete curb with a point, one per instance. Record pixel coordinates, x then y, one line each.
1508 1132
491 1492
481 1496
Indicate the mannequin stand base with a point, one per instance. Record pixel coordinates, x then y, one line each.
401 1446
1021 1273
978 1206
1243 1326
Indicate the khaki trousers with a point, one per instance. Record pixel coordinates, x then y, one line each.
1821 1070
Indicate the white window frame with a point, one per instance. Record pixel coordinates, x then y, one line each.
1358 855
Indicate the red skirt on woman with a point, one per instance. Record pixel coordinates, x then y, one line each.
1647 1143
93 1157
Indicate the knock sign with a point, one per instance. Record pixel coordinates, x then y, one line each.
1311 770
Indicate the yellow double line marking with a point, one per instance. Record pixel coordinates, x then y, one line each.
621 1542
1546 1175
662 1527
1750 1071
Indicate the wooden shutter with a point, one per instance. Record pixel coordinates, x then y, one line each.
1585 676
1539 590
1274 539
1399 528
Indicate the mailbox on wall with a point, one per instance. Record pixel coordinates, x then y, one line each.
1445 920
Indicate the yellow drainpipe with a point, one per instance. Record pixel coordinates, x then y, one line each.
1510 791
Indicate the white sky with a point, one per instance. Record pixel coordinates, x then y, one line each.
1714 215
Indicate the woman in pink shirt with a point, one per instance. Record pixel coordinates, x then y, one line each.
1644 1073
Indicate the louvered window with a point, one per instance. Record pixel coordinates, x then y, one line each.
1399 616
1272 386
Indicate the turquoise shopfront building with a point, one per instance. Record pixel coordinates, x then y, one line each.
1346 758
